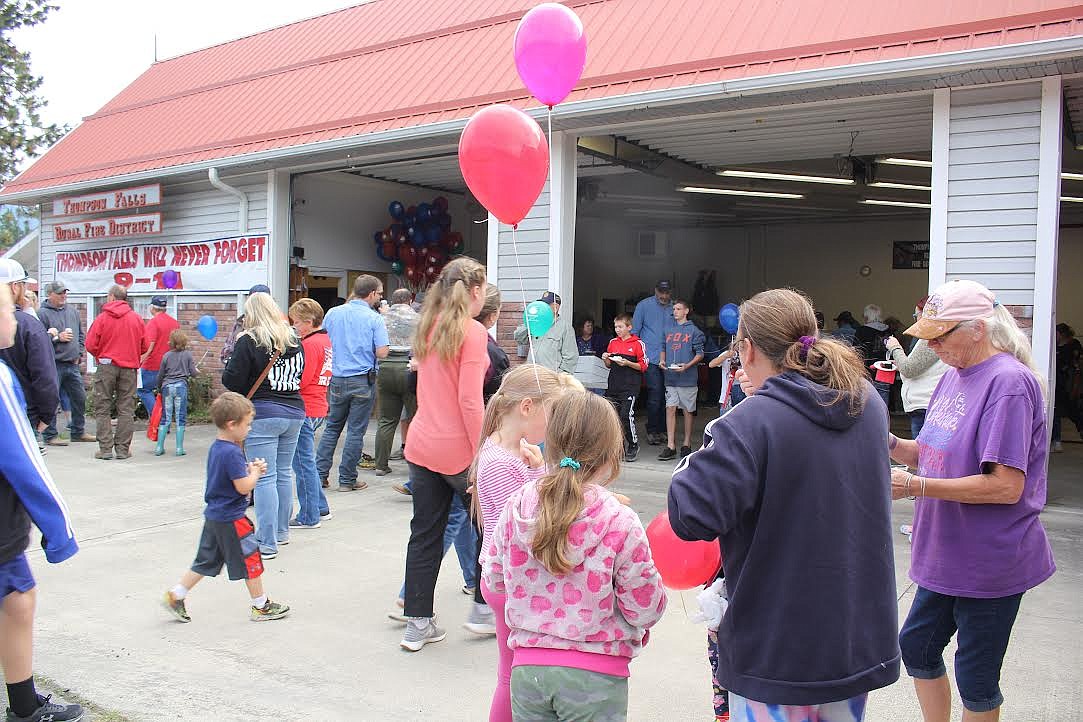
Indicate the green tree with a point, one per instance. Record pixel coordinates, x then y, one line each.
15 222
22 134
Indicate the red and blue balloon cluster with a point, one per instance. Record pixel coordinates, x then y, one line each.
419 241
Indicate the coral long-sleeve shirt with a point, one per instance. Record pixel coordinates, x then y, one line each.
446 431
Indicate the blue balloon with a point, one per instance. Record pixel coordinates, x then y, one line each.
444 220
397 210
538 317
378 236
432 233
207 327
424 212
729 316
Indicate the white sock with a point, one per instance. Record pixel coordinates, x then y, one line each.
180 591
260 601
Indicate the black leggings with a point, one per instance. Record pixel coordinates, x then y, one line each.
432 495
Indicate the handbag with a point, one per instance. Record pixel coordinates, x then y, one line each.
274 357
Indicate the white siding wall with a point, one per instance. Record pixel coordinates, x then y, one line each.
993 142
532 243
190 212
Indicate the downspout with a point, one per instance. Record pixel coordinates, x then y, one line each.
212 176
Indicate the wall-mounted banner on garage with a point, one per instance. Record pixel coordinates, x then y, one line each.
145 224
910 255
216 266
121 199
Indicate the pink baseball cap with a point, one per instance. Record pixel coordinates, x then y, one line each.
951 304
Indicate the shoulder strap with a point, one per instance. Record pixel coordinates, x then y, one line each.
262 376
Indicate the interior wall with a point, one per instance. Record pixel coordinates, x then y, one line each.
1069 290
336 214
823 260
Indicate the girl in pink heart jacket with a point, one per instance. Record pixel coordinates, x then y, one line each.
573 562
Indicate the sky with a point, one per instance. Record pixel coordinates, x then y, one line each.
89 50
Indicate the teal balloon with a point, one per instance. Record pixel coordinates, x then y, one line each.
538 317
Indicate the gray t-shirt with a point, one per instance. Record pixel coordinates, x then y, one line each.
176 366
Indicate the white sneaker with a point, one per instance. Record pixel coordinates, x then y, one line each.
481 621
417 637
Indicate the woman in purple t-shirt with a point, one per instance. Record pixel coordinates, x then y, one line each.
978 541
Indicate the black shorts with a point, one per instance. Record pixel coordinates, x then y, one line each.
229 543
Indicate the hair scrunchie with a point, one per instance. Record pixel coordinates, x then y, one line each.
569 462
807 342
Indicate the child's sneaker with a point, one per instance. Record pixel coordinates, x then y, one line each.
270 610
667 453
50 711
685 451
176 608
632 453
481 620
416 638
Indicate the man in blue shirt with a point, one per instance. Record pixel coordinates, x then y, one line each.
358 338
649 322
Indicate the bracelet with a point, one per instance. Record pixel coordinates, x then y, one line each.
923 487
892 442
909 478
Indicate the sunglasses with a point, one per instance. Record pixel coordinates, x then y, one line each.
943 336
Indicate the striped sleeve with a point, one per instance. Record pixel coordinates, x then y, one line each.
24 469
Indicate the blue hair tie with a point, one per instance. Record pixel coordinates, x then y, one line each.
570 462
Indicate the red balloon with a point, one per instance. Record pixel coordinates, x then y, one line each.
504 157
441 203
390 250
410 273
682 564
432 273
408 255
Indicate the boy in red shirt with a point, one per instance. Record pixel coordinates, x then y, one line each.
307 318
626 359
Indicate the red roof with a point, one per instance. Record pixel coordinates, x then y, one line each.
397 63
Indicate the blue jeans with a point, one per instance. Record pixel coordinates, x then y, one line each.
917 420
656 399
274 440
175 403
70 380
984 627
310 496
885 393
464 535
146 391
351 403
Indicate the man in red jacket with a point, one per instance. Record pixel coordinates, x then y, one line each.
117 341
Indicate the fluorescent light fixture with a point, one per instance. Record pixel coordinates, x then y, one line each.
787 177
904 204
1071 176
900 186
1071 199
913 162
736 192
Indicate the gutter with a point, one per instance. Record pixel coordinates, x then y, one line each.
242 221
935 64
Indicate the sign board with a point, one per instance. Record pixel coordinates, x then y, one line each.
145 224
216 266
121 199
910 255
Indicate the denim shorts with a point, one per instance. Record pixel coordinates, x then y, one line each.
983 625
15 576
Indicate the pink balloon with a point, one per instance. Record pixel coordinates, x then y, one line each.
504 158
550 51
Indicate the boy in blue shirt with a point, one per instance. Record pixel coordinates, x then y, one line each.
229 537
681 354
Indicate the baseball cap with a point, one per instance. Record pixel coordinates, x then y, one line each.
55 287
11 271
159 301
662 285
951 304
260 288
549 297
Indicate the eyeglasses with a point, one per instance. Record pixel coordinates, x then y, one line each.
736 348
941 337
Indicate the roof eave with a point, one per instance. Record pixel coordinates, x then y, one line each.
916 66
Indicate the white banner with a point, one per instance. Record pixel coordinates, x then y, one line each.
220 265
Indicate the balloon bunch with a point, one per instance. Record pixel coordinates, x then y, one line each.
419 241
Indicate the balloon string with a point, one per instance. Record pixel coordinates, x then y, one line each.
522 290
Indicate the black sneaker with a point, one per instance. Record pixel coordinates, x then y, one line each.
685 451
632 453
654 439
667 453
50 711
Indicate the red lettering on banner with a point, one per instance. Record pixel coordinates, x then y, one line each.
240 250
154 256
191 255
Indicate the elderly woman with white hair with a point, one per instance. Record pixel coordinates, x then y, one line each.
980 486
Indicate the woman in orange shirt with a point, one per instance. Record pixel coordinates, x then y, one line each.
452 357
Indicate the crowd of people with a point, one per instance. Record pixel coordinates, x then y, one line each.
511 464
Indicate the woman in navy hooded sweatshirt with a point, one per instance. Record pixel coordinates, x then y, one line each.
793 484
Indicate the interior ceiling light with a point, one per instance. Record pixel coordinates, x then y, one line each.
1071 199
913 162
787 177
905 204
901 186
737 192
1071 176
